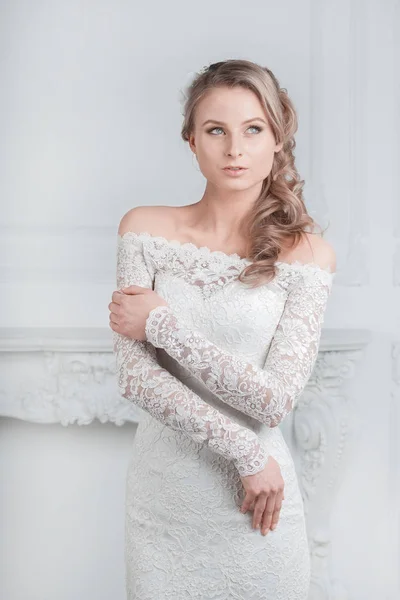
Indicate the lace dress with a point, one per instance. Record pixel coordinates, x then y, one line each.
222 366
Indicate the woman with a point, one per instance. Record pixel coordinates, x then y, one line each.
215 339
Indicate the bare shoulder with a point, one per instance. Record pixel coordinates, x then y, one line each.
314 249
148 219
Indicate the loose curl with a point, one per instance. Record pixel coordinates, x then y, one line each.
279 218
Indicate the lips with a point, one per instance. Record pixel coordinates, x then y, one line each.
234 172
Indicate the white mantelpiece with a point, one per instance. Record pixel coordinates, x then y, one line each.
57 375
61 376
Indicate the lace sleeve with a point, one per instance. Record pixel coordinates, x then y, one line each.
154 389
267 394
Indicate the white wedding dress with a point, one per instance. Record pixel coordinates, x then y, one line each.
222 365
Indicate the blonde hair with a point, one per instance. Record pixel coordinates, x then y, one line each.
279 215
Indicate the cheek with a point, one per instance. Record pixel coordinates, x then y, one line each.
209 152
262 149
262 163
209 163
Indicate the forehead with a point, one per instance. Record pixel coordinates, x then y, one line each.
224 103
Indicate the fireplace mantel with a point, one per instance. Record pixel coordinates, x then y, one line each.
67 375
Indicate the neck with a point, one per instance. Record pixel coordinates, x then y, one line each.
221 213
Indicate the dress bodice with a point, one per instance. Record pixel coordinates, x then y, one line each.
246 351
201 286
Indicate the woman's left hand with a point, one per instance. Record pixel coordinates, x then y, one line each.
130 308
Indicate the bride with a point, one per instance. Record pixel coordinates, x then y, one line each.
216 325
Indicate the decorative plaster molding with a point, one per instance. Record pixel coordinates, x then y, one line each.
69 375
318 433
64 387
323 424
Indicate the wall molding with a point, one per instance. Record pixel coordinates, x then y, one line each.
323 425
349 64
396 143
356 271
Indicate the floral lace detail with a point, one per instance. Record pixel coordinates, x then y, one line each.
143 381
266 394
189 249
184 248
211 270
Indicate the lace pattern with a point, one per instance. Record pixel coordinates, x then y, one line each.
267 394
143 381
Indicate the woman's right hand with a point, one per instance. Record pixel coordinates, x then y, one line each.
264 492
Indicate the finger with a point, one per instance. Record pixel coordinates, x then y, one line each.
133 289
249 498
114 327
277 509
113 307
113 319
267 516
116 297
259 508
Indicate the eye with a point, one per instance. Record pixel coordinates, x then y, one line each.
213 129
256 127
251 127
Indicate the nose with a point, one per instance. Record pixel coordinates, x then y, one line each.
233 146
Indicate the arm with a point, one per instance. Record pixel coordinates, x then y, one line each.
267 394
154 389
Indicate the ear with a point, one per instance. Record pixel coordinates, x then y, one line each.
278 147
192 144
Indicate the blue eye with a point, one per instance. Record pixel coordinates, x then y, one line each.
251 127
255 127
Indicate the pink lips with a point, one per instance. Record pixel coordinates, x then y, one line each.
235 172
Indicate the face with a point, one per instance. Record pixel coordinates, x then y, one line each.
231 128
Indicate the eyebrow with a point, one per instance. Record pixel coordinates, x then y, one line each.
244 122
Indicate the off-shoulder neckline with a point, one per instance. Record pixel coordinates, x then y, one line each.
189 246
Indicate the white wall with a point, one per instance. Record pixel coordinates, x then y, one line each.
59 538
90 121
